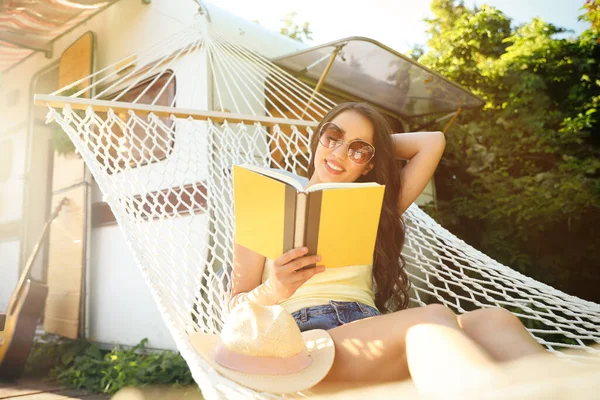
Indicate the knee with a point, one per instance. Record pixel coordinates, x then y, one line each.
439 314
495 318
501 317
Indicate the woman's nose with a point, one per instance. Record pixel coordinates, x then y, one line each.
341 151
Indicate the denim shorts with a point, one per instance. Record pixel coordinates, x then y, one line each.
334 314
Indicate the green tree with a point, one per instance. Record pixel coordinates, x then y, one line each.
520 179
592 15
290 28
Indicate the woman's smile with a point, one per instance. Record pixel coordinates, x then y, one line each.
333 167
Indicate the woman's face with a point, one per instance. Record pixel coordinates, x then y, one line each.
332 164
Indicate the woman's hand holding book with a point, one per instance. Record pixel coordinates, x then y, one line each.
290 271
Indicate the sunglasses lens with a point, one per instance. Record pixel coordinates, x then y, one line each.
360 152
331 136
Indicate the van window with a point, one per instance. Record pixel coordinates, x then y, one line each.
135 147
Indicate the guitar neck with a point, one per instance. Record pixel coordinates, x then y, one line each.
31 259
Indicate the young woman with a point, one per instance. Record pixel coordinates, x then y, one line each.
352 143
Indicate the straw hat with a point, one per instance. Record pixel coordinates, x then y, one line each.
261 347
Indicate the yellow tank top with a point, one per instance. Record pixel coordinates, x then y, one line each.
352 283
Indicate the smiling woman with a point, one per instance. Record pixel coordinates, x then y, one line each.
347 142
354 142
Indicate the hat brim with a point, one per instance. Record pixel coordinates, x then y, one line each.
320 347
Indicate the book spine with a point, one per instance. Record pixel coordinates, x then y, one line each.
313 217
300 220
289 221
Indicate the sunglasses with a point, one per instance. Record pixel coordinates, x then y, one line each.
359 151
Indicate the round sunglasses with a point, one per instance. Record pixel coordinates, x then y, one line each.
359 151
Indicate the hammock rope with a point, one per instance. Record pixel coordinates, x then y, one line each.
160 131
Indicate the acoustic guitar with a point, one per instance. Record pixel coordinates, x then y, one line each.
17 326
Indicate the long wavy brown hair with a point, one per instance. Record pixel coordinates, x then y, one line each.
391 283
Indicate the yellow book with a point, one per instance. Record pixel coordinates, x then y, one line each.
274 214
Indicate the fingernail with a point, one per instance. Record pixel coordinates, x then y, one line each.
320 268
304 249
318 258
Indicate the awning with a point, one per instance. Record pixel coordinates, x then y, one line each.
27 26
373 72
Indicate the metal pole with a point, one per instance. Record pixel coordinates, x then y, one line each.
449 124
322 78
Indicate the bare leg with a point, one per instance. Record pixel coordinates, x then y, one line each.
374 349
444 362
500 333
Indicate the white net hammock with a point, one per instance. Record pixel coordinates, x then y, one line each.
163 163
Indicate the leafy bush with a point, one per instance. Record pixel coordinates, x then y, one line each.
61 141
83 365
50 353
520 178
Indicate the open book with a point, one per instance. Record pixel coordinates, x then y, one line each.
274 214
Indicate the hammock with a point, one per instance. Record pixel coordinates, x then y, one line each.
163 163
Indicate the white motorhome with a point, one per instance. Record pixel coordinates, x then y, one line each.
98 292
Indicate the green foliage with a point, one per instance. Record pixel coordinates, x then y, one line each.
592 15
62 144
520 179
82 365
52 353
533 318
296 32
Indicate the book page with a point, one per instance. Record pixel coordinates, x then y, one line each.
284 176
340 185
264 211
347 225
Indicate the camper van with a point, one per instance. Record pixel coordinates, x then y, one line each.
96 291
